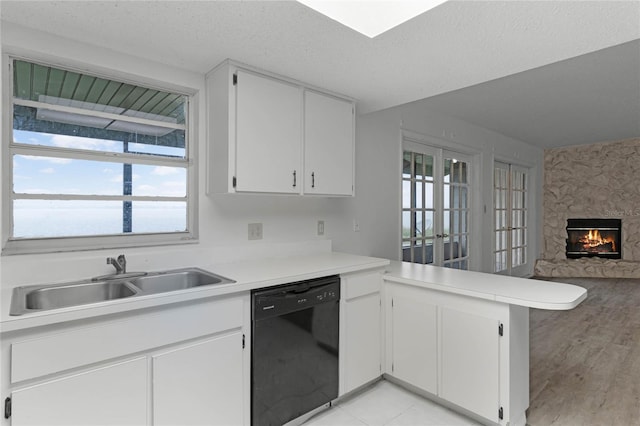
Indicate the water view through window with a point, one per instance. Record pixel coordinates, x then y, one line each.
92 156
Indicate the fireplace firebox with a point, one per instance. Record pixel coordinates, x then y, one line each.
594 238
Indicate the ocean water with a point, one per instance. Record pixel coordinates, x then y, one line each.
106 218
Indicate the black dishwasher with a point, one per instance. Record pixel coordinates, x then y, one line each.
294 357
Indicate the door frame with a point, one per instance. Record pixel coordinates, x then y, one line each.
524 269
474 157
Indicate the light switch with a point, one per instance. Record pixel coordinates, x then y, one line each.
255 231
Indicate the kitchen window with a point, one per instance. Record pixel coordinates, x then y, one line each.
94 162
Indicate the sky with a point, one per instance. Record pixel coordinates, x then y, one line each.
50 175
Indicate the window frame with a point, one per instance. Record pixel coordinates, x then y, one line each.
95 242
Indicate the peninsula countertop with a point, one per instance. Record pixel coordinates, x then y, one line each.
500 288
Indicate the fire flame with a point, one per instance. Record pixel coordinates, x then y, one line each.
593 240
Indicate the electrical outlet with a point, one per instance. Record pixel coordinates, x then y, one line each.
356 225
255 231
321 227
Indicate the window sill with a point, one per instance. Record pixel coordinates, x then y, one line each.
67 244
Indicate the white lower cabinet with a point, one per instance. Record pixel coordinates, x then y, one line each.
414 353
214 395
470 362
183 365
361 330
363 334
110 396
469 352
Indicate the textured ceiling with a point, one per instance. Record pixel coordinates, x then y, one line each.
456 45
590 98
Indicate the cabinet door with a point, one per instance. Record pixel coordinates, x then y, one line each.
363 340
212 373
328 145
109 396
268 135
470 357
414 338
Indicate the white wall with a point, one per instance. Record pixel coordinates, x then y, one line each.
378 171
289 223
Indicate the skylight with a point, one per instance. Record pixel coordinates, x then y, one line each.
371 17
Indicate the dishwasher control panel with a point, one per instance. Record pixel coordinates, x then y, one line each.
295 296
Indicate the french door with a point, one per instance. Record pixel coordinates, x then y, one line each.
510 193
435 206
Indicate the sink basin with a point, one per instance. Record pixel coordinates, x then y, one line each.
61 296
177 280
44 297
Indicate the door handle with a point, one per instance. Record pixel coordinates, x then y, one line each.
313 179
294 178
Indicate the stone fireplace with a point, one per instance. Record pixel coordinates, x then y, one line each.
591 181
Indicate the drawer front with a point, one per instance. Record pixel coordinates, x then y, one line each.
82 346
358 285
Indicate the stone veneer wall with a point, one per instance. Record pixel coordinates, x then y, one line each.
592 181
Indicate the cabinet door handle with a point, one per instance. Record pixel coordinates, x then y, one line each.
313 180
294 178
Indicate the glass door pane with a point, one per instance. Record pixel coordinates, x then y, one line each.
455 211
501 224
519 216
417 207
510 217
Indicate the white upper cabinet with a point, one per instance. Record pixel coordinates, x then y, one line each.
270 134
268 127
328 144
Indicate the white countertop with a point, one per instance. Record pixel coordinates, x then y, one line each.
515 291
248 275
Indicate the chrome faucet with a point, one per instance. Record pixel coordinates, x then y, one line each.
120 264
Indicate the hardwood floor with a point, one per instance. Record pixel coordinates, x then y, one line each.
585 363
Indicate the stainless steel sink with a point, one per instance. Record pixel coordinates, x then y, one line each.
36 298
180 279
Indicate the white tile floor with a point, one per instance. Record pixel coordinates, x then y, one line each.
387 404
